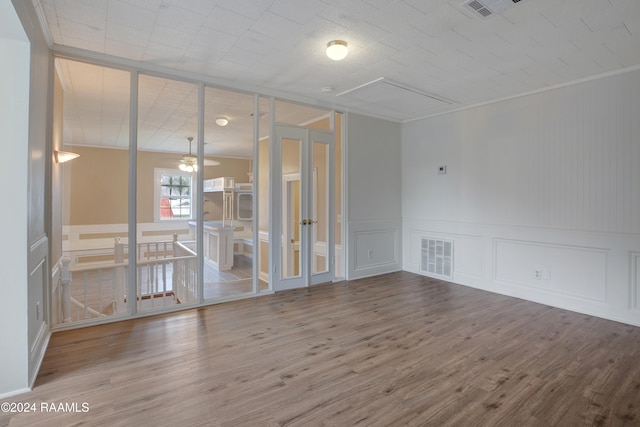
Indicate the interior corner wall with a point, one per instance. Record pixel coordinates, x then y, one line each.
14 122
373 196
541 195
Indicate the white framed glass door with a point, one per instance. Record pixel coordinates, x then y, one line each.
302 207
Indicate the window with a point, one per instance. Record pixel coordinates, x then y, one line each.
173 194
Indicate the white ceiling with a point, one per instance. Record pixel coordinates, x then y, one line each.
436 48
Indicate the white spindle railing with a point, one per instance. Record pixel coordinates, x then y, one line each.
165 275
184 271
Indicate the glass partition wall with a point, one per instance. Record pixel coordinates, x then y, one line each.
90 192
167 194
228 194
169 204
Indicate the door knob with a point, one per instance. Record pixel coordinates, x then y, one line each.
303 222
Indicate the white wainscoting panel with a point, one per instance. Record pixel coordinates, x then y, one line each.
375 247
576 271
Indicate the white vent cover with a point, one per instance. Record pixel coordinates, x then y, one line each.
437 257
486 8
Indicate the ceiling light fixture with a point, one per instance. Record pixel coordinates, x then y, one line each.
222 121
65 156
337 49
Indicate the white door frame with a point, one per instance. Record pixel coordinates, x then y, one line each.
280 210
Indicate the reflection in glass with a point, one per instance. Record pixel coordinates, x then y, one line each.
291 209
320 207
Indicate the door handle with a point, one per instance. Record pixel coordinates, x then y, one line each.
304 222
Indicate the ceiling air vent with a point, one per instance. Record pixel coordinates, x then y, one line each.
486 8
399 100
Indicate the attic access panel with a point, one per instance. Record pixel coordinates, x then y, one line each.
404 101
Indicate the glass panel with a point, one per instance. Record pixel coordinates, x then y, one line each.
228 232
291 209
320 208
339 271
90 193
263 196
166 251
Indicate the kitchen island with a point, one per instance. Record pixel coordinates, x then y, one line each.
217 243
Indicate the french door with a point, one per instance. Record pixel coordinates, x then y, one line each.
303 207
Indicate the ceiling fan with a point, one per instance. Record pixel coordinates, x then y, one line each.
189 162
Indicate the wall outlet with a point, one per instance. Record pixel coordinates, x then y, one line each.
537 274
370 254
442 170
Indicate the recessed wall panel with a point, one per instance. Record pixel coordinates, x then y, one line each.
569 270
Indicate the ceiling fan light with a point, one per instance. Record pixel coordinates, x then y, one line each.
222 121
337 49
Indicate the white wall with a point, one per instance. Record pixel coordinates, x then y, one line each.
373 205
14 126
549 182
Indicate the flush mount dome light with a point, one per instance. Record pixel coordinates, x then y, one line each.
337 49
222 121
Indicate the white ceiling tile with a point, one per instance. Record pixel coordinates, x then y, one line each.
228 22
131 15
347 13
434 45
124 50
301 11
281 30
96 45
427 7
91 14
201 7
250 8
79 30
147 4
127 34
380 4
185 20
163 55
171 36
256 44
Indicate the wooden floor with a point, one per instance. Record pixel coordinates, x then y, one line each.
393 350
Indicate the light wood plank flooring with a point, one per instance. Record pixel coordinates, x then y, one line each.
393 350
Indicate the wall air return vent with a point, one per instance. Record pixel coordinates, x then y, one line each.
437 258
486 8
